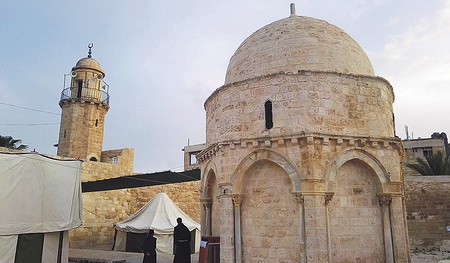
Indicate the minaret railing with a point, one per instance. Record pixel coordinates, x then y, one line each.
85 92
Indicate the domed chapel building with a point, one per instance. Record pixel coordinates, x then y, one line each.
301 161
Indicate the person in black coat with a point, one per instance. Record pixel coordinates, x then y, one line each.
149 248
182 240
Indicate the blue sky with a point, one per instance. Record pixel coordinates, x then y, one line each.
164 58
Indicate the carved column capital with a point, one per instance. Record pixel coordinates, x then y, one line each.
237 198
384 199
299 197
206 202
328 197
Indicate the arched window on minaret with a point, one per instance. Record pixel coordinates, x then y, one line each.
80 88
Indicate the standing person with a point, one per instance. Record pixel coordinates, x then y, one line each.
149 248
182 240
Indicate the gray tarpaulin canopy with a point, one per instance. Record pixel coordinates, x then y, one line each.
141 180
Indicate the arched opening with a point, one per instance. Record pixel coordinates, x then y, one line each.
239 174
93 159
269 215
214 215
356 219
80 88
364 158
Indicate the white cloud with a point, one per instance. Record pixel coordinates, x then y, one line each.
417 64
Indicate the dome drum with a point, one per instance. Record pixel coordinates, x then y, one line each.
322 102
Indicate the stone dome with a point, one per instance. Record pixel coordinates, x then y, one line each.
88 63
297 43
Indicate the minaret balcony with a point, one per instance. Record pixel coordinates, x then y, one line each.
95 93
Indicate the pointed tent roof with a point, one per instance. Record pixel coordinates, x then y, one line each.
159 214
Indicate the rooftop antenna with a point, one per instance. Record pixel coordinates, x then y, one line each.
292 9
90 50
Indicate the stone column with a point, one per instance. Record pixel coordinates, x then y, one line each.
301 211
315 228
206 216
399 229
385 201
405 223
226 225
237 200
328 198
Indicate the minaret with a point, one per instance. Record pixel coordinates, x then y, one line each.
84 103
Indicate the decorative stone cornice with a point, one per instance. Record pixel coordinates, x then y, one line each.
67 102
207 153
302 139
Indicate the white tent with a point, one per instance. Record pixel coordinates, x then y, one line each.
40 201
159 214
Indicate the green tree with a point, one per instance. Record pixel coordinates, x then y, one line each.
10 143
435 164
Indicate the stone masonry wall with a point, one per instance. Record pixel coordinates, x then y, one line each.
79 138
103 209
428 212
270 216
408 171
356 216
321 102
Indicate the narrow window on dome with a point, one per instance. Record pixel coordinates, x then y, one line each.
393 124
269 115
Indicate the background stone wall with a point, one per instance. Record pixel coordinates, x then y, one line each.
428 212
101 210
408 171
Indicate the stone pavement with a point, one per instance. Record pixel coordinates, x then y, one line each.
81 255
